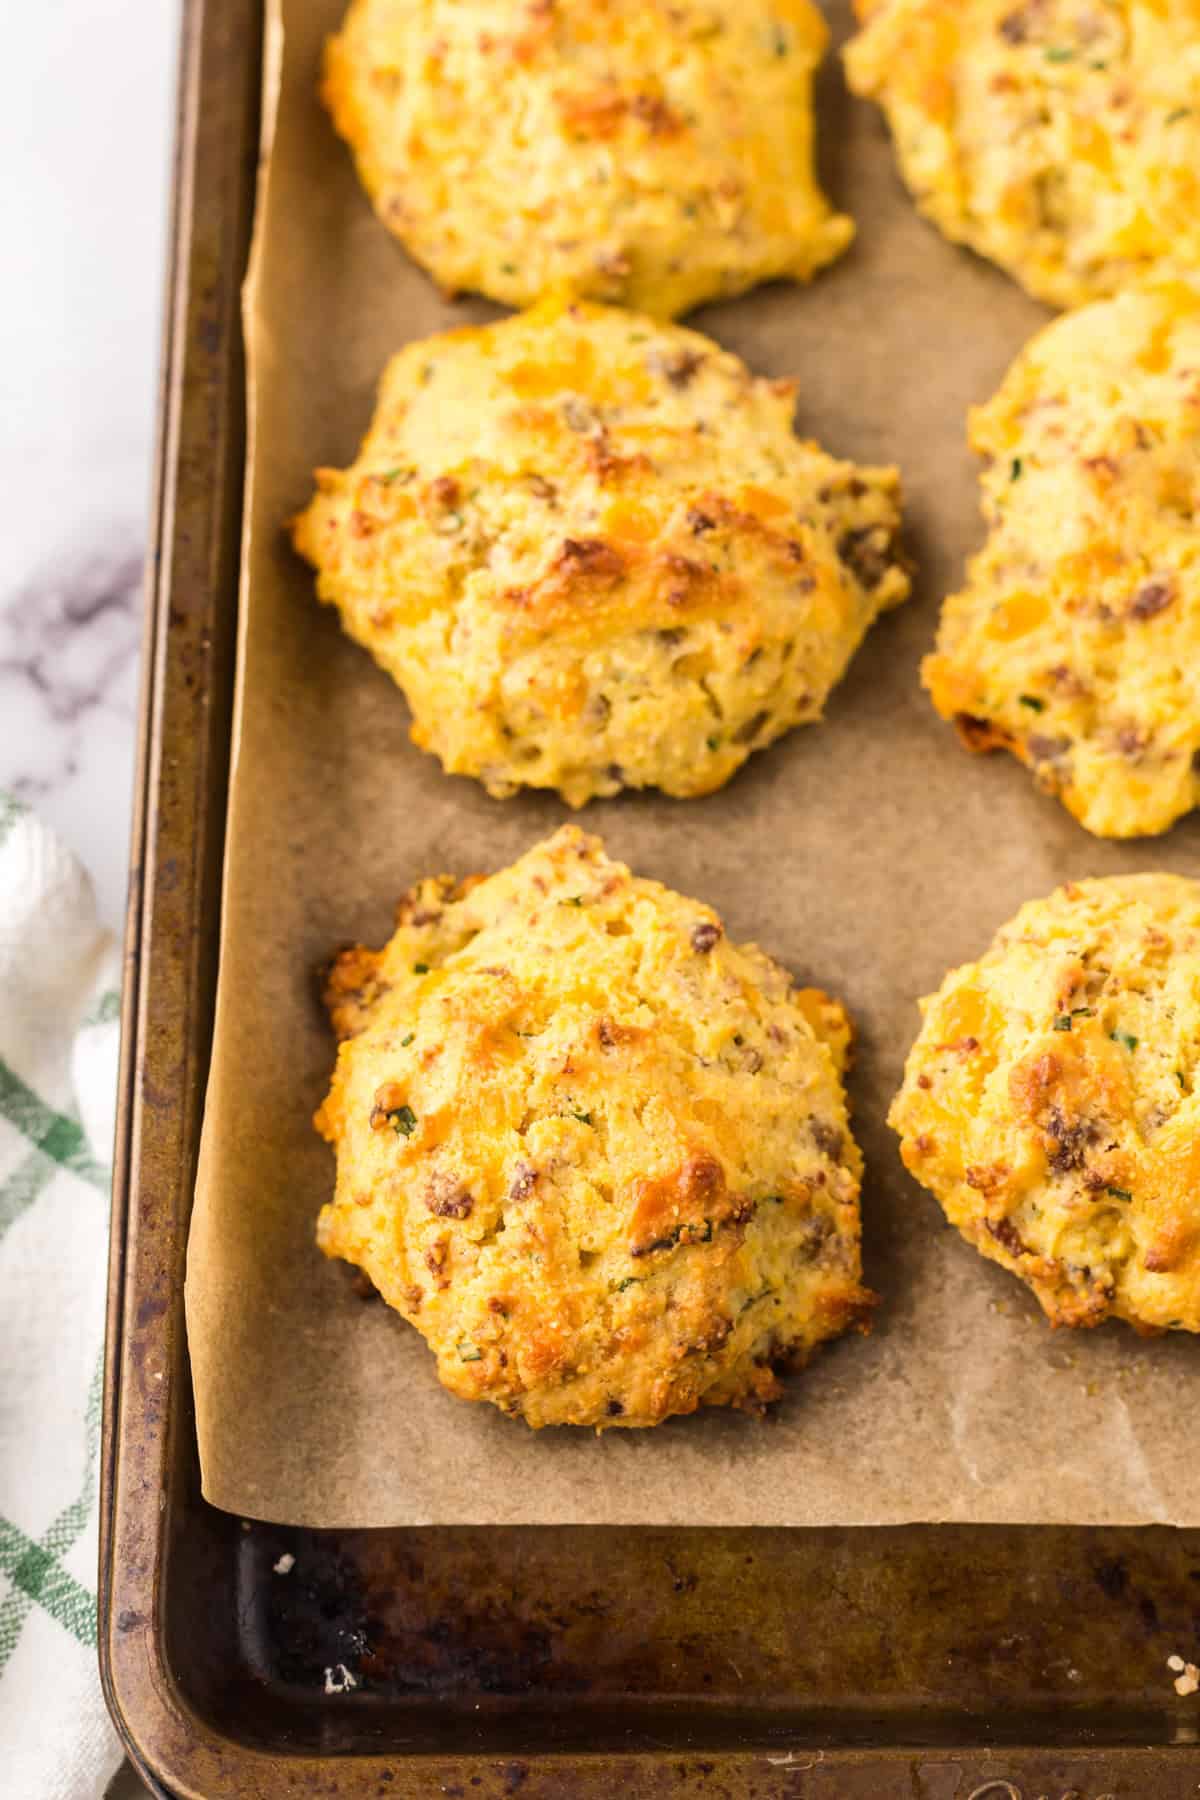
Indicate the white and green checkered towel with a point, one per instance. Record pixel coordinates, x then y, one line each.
59 975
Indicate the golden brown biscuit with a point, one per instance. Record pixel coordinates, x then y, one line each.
595 1153
1060 138
594 555
1050 1101
1076 641
652 152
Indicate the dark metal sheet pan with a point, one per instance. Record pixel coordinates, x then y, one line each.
933 1663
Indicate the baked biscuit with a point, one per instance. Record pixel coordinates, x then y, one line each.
1050 1101
1060 138
1076 641
594 1152
594 555
656 153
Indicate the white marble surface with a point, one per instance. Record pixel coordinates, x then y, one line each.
85 124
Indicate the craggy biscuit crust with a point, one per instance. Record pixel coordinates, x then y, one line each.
1060 138
1050 1101
1076 641
655 153
595 1153
594 554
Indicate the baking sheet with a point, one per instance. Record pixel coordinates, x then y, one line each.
869 854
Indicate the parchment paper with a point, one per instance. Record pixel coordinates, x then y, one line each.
869 854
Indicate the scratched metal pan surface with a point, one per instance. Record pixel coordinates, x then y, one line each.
933 1663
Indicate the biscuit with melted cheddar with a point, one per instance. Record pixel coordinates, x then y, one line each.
593 553
1050 1102
654 153
1076 641
1060 138
595 1153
